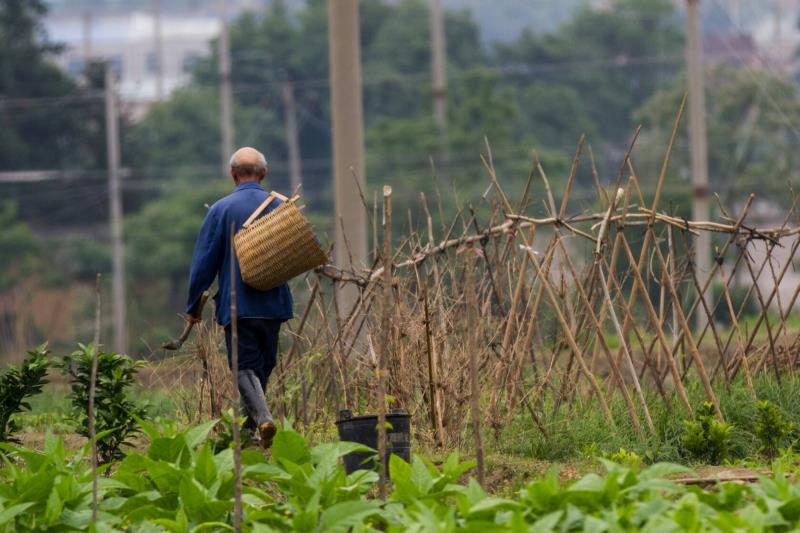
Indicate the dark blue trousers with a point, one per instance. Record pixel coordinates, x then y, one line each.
258 346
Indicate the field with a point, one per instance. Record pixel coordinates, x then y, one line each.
587 389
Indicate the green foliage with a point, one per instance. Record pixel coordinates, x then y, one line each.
18 247
749 115
705 437
49 490
740 299
116 416
181 484
771 428
17 385
624 457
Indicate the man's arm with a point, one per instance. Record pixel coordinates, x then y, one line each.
209 252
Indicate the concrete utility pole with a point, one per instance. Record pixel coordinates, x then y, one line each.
158 45
115 209
439 88
348 141
698 142
439 65
292 135
87 37
225 91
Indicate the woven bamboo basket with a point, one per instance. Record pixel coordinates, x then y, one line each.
278 246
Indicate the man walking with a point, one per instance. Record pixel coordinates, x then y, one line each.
259 313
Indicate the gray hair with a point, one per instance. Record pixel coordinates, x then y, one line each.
257 168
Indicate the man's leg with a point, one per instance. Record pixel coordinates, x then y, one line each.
250 391
253 397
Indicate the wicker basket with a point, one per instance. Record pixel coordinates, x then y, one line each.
278 246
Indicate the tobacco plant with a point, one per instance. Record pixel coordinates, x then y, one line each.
17 385
115 414
771 428
705 437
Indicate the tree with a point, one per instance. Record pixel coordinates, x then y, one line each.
179 138
612 59
752 134
18 247
36 114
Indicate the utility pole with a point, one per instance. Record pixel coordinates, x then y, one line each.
439 71
348 142
115 210
698 142
225 91
292 135
439 65
158 45
87 37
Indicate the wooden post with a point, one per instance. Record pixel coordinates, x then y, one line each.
115 210
473 344
348 142
92 391
697 138
225 90
386 337
237 437
292 135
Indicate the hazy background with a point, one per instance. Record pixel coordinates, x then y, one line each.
529 75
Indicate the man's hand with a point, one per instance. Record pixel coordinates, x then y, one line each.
193 319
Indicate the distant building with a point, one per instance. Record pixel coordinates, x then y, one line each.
128 40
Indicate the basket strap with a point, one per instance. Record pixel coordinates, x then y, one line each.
263 206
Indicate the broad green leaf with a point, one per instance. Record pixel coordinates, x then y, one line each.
343 516
6 515
548 522
589 483
336 450
288 445
198 434
420 476
205 471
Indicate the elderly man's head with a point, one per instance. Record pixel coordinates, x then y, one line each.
248 164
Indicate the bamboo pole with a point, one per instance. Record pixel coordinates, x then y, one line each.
92 392
237 436
473 346
385 338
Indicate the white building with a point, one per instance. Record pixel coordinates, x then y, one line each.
130 42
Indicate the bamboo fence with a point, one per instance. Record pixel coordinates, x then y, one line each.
509 315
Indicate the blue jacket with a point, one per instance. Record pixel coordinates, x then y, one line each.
212 256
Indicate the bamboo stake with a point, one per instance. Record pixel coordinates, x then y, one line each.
386 337
237 437
473 347
92 392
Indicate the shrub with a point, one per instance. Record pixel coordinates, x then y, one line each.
19 384
771 428
115 413
705 437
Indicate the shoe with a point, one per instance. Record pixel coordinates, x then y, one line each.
266 431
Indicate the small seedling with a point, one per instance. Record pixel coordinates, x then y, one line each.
115 414
705 437
17 385
771 428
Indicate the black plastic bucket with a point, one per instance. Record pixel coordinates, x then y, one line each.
364 430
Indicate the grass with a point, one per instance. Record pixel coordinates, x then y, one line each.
584 432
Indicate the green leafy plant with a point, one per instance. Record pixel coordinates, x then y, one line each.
49 489
115 414
705 437
771 428
630 459
17 385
